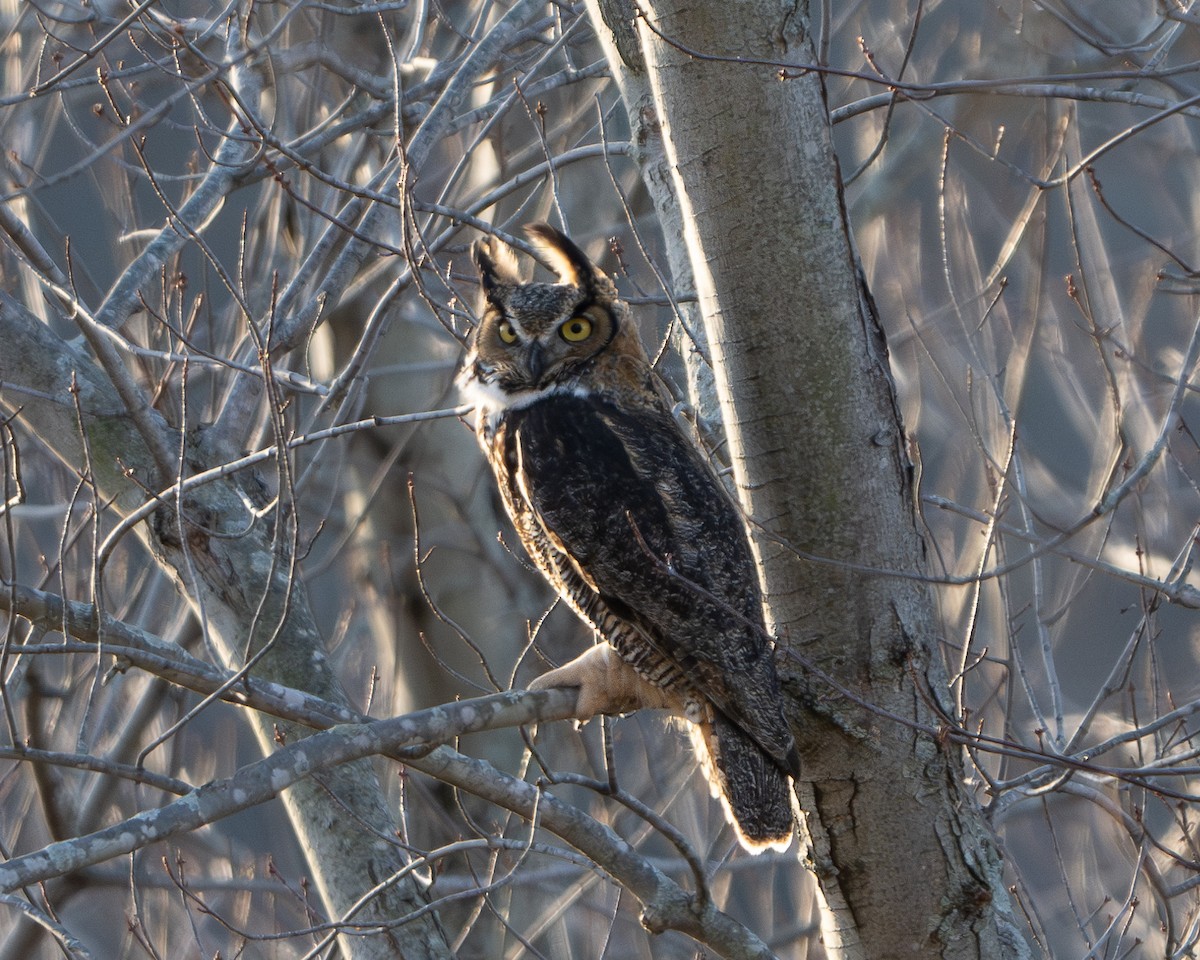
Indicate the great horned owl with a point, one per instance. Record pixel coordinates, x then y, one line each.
624 517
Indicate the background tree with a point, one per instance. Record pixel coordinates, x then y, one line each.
234 292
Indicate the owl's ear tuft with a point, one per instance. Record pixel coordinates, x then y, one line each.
567 260
496 262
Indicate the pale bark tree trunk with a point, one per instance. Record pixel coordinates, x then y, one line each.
905 864
236 573
613 21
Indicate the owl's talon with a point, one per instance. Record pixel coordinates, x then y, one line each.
606 684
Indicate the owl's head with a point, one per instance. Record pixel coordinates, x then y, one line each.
539 338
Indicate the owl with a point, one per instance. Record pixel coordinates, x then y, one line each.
626 520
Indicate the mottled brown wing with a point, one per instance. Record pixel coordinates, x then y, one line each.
646 522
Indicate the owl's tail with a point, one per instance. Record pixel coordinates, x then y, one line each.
750 784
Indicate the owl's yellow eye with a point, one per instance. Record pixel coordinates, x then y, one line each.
576 330
506 331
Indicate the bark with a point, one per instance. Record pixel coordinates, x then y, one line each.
614 21
235 571
819 459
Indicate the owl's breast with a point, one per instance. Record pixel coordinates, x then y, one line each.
499 436
582 511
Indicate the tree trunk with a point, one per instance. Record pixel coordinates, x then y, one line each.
234 569
819 459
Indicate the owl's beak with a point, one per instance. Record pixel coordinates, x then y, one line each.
535 361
